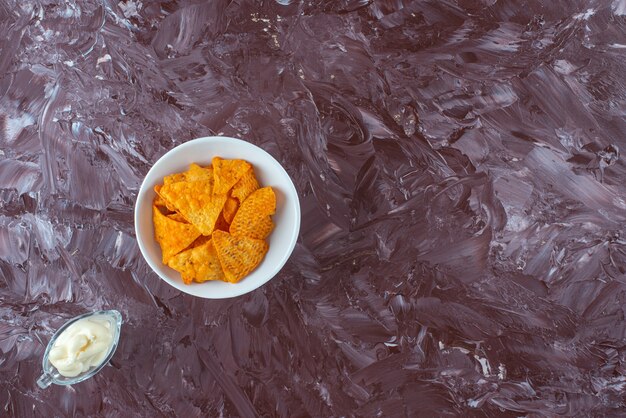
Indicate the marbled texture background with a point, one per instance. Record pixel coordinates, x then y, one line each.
462 251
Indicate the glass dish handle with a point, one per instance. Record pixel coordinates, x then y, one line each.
45 380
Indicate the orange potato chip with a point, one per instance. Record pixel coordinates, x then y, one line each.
198 263
246 185
228 172
177 217
158 201
253 217
211 221
194 200
230 209
221 223
238 255
163 200
259 228
197 173
172 236
174 178
202 239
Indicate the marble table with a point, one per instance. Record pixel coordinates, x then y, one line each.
463 204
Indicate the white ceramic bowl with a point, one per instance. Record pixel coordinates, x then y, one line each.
268 171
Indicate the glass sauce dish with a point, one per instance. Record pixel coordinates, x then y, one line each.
52 376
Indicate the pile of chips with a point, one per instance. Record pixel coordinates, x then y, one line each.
211 222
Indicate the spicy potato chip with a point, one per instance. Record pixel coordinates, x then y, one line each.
159 200
211 222
198 264
259 229
177 217
221 223
253 217
197 173
230 209
246 185
173 236
238 255
228 172
202 239
174 178
194 200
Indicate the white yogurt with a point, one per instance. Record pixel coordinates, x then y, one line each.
83 345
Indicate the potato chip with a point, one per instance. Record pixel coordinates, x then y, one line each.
202 239
174 178
163 200
238 255
253 217
246 185
172 236
197 173
194 200
228 172
211 221
259 228
198 264
177 217
158 201
221 223
230 209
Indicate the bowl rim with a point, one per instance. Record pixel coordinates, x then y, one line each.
237 291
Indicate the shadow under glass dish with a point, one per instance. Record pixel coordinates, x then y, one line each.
50 373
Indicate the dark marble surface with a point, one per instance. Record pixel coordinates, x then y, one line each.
463 200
